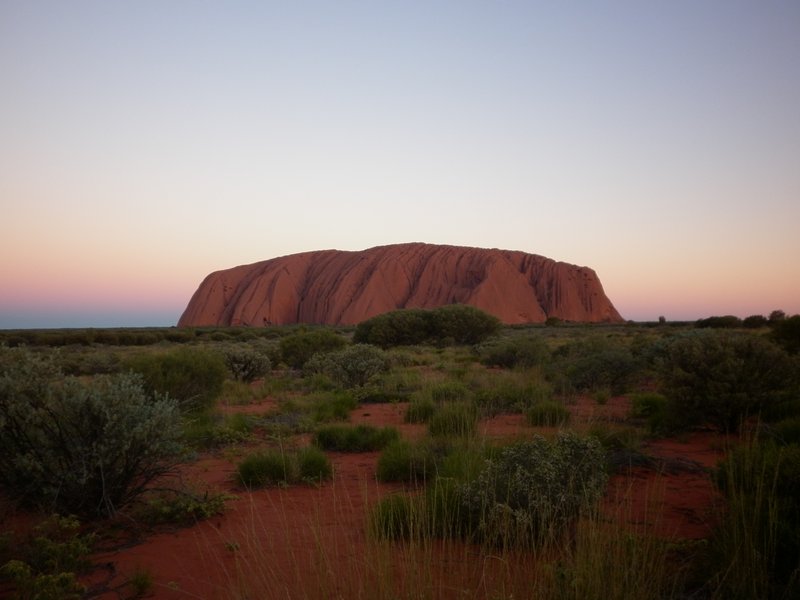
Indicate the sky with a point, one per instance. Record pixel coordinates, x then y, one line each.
145 144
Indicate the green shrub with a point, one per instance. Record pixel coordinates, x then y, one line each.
420 410
179 506
722 378
358 438
283 467
296 349
331 406
446 325
403 461
81 448
509 353
352 366
207 430
652 407
396 516
458 419
245 363
192 376
786 333
49 563
595 363
719 322
533 490
786 432
313 465
509 396
268 467
756 544
548 413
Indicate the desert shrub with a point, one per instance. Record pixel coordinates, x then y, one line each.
786 432
446 391
208 430
352 366
786 333
419 410
183 506
333 405
756 545
313 465
595 363
548 413
354 438
47 565
534 489
755 321
719 322
652 407
245 363
296 349
82 448
406 327
452 324
524 352
509 396
722 378
397 516
403 461
459 419
192 376
267 467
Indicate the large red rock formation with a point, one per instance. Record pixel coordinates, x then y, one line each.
341 288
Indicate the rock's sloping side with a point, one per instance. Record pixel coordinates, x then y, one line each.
342 288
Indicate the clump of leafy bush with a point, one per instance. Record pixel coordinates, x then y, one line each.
522 351
506 395
534 489
84 448
458 419
548 413
48 565
296 349
722 378
786 333
595 363
358 438
403 461
192 376
209 430
352 366
245 363
282 467
653 407
179 506
446 325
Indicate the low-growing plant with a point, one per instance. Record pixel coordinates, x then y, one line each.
245 363
548 413
521 351
209 430
654 408
179 506
354 438
458 419
532 490
420 410
403 461
507 395
193 376
47 566
283 467
352 366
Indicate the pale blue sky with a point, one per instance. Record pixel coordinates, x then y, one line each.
145 144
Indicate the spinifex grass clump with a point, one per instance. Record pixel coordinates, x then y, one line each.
533 490
358 438
404 461
282 467
548 413
458 419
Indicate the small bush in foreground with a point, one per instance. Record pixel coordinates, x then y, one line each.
296 349
403 461
419 410
81 448
282 467
358 438
313 465
245 363
532 490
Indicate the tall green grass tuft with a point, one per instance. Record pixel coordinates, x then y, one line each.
354 438
456 419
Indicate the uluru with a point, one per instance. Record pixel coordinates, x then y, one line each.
336 287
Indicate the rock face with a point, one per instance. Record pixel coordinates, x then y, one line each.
343 288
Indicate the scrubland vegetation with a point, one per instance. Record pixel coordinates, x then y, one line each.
95 423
